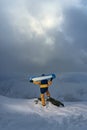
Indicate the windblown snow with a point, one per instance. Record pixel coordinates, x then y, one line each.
24 114
18 110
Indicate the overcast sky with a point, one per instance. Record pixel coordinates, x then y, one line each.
43 36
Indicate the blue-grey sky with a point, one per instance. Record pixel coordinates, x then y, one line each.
43 36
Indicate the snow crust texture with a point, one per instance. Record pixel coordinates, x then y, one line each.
24 114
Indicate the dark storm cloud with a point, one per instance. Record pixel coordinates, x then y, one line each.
76 26
42 36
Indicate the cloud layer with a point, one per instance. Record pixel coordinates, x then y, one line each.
43 36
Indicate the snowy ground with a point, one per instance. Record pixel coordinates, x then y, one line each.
24 114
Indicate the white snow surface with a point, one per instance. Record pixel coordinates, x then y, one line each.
24 114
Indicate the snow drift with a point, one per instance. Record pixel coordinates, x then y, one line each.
22 114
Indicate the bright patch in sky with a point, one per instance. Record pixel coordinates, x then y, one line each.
26 23
49 31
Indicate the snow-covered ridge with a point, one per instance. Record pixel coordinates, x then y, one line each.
24 114
23 89
68 87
